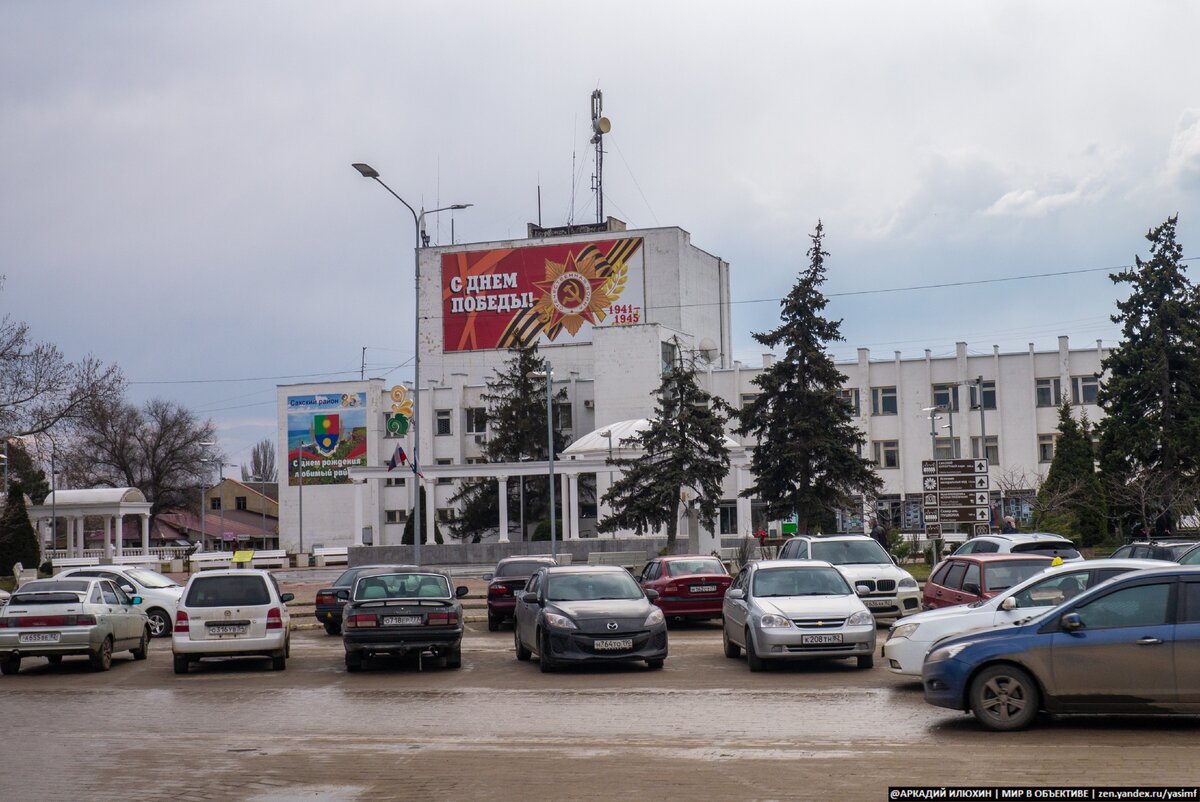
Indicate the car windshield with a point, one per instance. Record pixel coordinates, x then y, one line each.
227 591
849 552
520 567
705 565
49 591
1003 575
815 581
44 585
347 578
1177 550
588 587
1051 548
1192 557
151 579
402 586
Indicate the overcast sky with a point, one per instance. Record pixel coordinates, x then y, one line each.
177 195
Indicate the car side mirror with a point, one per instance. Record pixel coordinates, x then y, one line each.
972 588
1009 604
136 600
651 594
735 594
1071 622
460 591
530 598
862 590
488 577
128 589
343 595
287 597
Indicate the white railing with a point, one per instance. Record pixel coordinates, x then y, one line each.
161 552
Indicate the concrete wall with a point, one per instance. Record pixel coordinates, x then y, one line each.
490 553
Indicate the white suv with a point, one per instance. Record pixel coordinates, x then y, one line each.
1047 543
231 613
892 591
160 594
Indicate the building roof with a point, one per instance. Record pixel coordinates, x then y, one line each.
98 495
596 443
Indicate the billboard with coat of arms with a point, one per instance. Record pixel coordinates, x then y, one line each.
326 436
511 297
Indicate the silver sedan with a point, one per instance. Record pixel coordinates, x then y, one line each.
795 609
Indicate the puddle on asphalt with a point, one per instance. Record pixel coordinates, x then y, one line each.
317 793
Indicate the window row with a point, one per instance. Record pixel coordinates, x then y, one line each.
1047 393
886 453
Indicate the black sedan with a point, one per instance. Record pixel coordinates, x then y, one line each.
403 612
588 613
329 604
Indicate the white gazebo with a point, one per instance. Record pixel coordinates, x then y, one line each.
111 504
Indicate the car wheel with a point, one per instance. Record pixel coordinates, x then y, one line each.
549 666
332 628
523 654
655 665
11 665
54 659
454 658
143 647
732 650
287 647
279 661
866 661
181 664
160 623
1004 698
101 659
354 661
753 661
493 624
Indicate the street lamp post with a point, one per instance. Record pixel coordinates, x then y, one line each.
608 435
262 479
367 171
204 496
548 375
300 473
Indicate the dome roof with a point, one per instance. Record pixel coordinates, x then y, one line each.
98 495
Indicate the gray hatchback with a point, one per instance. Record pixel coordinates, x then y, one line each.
582 614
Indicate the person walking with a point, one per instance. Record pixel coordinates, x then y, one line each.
1010 526
879 534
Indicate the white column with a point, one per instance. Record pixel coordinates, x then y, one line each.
119 528
430 512
566 507
573 486
358 512
744 524
80 534
145 533
108 546
502 482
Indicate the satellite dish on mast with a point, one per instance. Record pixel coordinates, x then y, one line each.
708 350
601 125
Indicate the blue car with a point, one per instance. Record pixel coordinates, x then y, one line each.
1129 645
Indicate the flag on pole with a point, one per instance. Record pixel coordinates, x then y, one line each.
398 458
416 469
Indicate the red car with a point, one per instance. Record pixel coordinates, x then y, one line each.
508 580
970 578
689 586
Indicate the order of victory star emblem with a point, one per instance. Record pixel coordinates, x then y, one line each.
572 293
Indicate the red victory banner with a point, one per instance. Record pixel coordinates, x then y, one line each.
515 296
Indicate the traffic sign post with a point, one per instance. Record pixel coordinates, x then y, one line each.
955 491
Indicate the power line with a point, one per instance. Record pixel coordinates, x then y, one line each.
251 378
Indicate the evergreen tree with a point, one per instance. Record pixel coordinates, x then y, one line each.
516 414
1151 394
22 468
1070 501
683 450
805 460
18 541
407 538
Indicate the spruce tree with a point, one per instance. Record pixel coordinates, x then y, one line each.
1151 392
683 450
1071 497
805 461
18 541
22 468
406 539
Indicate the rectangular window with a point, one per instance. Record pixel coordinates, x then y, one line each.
444 480
475 461
1085 389
883 401
240 502
395 516
748 399
563 417
728 510
441 422
475 420
394 481
445 515
945 396
669 353
214 503
1049 392
947 448
993 449
989 395
851 398
887 453
1046 448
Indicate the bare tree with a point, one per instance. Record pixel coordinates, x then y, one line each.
1150 492
262 463
1047 503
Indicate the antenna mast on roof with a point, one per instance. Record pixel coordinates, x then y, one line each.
600 127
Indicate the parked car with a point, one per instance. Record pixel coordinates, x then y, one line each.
403 612
506 582
1125 646
795 609
1170 550
1190 557
1044 543
3 598
688 586
974 577
588 613
160 594
891 591
908 641
54 618
329 604
231 613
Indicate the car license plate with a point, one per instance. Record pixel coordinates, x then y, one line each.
40 637
402 621
612 645
875 603
228 629
703 588
832 638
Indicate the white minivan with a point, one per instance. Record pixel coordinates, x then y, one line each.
231 613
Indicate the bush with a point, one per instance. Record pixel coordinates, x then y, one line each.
542 532
18 541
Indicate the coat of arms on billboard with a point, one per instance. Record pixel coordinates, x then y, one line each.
326 432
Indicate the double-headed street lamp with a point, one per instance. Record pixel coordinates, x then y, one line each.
367 171
548 375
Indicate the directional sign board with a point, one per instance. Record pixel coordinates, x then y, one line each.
955 491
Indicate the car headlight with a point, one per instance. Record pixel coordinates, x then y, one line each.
908 582
655 618
860 619
559 621
903 630
772 620
945 653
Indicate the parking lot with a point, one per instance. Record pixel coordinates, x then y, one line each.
704 727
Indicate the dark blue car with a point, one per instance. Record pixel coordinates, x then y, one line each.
1129 645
